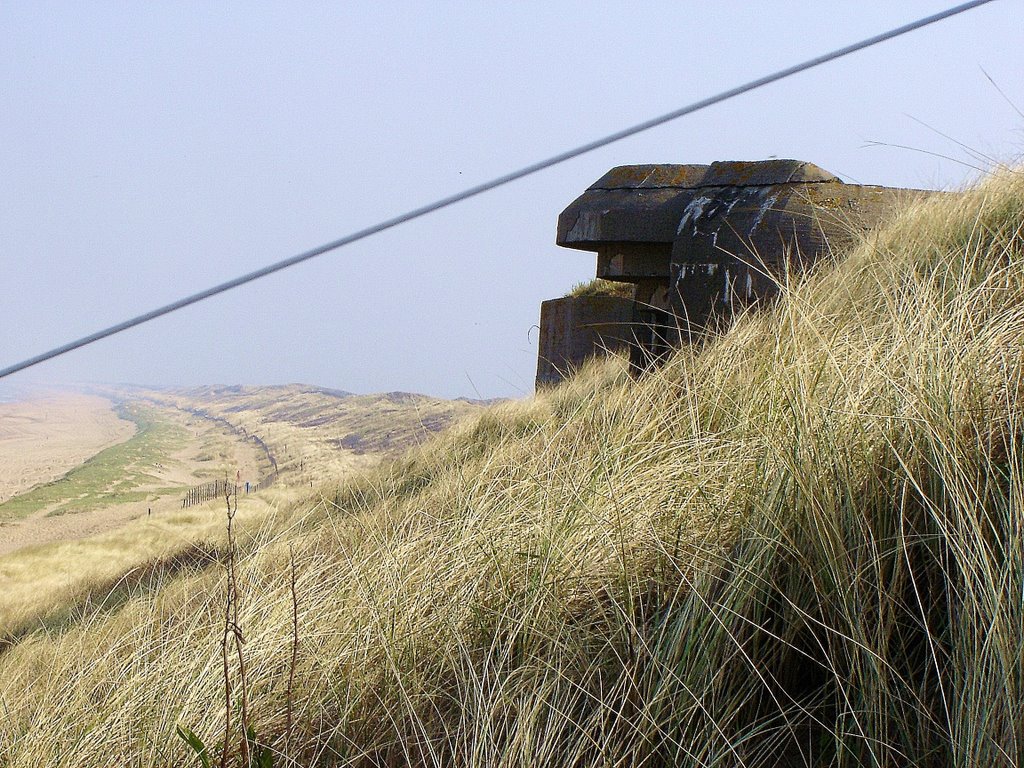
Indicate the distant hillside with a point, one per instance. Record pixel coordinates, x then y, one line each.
321 430
385 423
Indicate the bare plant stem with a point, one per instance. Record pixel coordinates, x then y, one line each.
228 606
233 636
295 647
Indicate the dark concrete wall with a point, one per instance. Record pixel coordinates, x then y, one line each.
573 329
735 245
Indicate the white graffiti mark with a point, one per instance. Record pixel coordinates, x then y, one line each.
765 207
692 213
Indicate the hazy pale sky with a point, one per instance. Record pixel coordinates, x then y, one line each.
149 150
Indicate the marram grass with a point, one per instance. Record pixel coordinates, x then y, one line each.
802 545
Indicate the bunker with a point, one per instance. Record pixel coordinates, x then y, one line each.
698 244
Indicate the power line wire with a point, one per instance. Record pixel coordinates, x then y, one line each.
489 185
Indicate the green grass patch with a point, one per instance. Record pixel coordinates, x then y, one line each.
112 476
600 287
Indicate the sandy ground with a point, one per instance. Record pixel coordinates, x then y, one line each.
36 437
42 439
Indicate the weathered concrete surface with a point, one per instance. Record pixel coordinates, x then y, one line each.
633 215
734 244
630 204
701 242
644 203
574 329
758 173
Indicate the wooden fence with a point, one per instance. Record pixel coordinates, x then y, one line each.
199 494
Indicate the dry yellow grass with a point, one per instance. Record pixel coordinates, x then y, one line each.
41 585
800 546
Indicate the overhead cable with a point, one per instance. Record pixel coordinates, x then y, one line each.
489 185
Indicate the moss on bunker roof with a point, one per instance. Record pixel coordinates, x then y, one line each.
730 173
